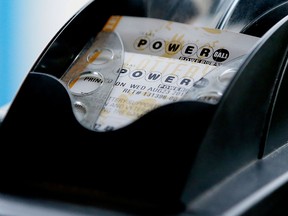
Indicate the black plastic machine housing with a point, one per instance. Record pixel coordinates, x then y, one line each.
184 158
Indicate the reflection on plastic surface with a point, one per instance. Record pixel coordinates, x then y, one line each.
221 14
246 11
17 206
211 87
205 13
92 76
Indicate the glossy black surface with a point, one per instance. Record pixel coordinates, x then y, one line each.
185 158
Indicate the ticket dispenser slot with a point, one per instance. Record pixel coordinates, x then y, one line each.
110 170
138 169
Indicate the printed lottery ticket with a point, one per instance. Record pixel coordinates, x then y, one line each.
162 61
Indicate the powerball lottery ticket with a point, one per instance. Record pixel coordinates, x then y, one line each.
163 59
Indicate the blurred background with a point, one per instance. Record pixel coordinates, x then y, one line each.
26 27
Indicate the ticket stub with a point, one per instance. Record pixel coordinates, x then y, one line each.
162 61
178 40
145 83
158 61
